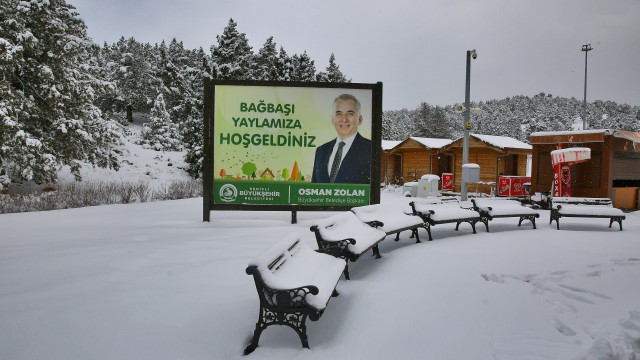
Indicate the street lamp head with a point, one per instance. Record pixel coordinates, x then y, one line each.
587 47
474 54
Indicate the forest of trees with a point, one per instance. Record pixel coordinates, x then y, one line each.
65 100
516 117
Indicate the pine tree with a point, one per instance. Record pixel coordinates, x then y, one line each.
432 122
303 68
265 64
190 111
284 66
232 58
49 85
333 73
132 68
160 133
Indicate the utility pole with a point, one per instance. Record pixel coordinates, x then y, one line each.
586 48
467 121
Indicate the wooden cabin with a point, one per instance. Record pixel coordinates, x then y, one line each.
496 155
389 164
417 156
612 172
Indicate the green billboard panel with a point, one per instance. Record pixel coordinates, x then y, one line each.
292 145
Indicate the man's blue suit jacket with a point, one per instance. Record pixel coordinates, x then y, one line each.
355 167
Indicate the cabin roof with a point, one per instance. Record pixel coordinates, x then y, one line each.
390 144
432 143
499 142
596 134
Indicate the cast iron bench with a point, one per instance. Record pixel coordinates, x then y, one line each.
293 282
444 213
388 219
585 207
492 208
345 236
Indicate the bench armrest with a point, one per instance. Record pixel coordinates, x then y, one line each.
336 248
294 298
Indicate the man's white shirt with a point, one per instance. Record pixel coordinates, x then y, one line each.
347 145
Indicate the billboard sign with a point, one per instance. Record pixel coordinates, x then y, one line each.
293 145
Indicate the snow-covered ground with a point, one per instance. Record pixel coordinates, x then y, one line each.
152 281
139 164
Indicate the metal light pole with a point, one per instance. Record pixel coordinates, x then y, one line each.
586 48
467 121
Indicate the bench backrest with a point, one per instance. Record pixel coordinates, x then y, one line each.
340 226
488 202
368 212
581 201
276 256
419 206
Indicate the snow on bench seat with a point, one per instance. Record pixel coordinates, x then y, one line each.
567 209
293 282
389 219
291 263
345 236
491 208
585 207
443 213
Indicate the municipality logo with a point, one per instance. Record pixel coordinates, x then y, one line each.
228 193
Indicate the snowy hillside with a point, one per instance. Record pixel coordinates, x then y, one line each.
138 163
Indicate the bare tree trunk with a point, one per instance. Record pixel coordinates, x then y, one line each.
130 113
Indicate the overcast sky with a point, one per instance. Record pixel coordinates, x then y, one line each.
417 49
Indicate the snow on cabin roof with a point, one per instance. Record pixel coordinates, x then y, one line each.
389 144
503 142
628 135
432 143
574 132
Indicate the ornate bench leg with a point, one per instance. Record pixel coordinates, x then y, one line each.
415 231
473 225
618 220
428 227
294 320
531 218
485 221
297 322
556 217
260 326
302 332
376 252
397 236
346 272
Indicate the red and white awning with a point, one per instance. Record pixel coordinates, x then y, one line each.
570 155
